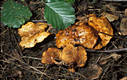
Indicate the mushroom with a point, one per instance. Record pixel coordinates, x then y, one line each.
70 56
50 56
103 27
77 35
32 33
86 33
74 55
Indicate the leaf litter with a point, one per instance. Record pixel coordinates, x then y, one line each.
63 72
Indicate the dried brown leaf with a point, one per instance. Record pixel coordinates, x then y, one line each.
93 71
107 58
125 12
124 78
110 17
111 7
97 70
123 26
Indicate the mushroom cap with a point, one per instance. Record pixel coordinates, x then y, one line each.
74 55
86 33
49 56
103 27
77 34
70 56
32 33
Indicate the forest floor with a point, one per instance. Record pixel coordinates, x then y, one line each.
25 64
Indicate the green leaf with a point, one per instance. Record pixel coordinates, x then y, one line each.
71 1
53 0
59 14
14 14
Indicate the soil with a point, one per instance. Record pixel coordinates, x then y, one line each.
109 63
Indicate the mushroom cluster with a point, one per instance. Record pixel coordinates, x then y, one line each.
87 33
70 56
94 32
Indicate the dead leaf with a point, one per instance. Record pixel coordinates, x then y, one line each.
97 73
125 12
103 27
115 56
81 19
32 33
111 7
93 71
16 73
123 26
82 7
105 59
124 78
110 17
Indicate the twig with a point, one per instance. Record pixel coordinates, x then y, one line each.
99 58
85 78
25 64
107 51
105 72
115 36
15 39
31 57
30 67
39 21
3 32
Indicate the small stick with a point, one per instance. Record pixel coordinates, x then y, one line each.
29 57
107 51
